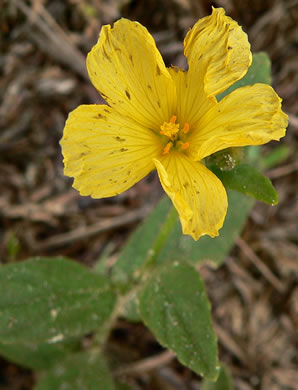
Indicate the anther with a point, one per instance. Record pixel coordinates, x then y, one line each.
167 148
185 146
173 119
186 128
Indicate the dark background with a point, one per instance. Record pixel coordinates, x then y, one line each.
43 77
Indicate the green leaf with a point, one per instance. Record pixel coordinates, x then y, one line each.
178 245
215 250
82 371
275 157
258 72
131 310
49 300
13 246
141 244
37 356
224 381
174 305
248 180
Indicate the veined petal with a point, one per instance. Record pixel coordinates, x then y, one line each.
249 115
218 53
106 152
192 101
198 195
128 71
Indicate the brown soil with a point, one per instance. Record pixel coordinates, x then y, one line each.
43 77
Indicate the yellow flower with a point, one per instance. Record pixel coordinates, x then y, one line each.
167 118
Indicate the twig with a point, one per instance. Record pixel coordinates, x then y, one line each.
148 364
273 15
282 171
265 271
88 231
64 50
293 120
242 274
172 379
51 22
230 343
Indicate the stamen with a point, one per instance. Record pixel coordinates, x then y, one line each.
170 129
185 146
176 137
186 128
167 148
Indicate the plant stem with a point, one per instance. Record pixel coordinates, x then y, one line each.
165 231
160 241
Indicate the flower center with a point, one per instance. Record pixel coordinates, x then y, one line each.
176 136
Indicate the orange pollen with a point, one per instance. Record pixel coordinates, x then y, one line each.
167 148
186 128
170 129
173 119
176 137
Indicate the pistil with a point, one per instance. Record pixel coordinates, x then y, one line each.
175 135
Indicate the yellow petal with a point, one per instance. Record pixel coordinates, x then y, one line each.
250 115
198 195
128 71
218 53
192 101
105 152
